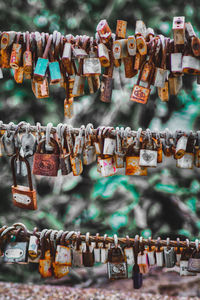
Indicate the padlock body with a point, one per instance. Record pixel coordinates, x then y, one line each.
103 55
33 246
159 77
119 160
89 155
19 75
179 30
163 92
121 29
176 62
93 83
77 258
140 94
92 66
45 164
120 49
186 162
131 46
23 197
175 84
106 88
108 167
151 258
78 88
194 265
40 68
170 257
88 259
68 108
184 269
15 252
45 268
77 165
40 89
129 255
55 73
65 164
190 65
129 67
159 259
104 255
27 62
117 270
109 146
60 270
148 158
133 167
15 56
63 255
141 45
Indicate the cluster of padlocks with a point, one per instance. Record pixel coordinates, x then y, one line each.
65 150
68 61
57 251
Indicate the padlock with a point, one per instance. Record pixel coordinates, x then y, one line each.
163 93
189 30
142 258
54 69
28 143
160 77
194 261
169 255
88 254
79 142
27 57
79 82
195 45
161 73
178 251
167 144
159 254
77 257
60 270
91 65
131 45
106 88
185 256
179 30
15 252
159 147
8 142
103 55
109 144
33 246
181 147
108 166
116 266
104 31
67 57
45 262
136 275
119 153
148 153
132 158
104 251
68 108
120 49
63 255
97 250
128 252
40 89
151 254
46 164
42 62
175 84
190 65
93 83
77 165
19 75
129 67
89 151
121 29
197 150
34 260
187 161
141 45
176 62
139 93
140 28
23 196
15 57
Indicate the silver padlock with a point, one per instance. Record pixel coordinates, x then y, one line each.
151 254
109 143
185 256
79 141
108 166
181 147
179 30
194 261
97 250
148 153
119 154
8 142
77 257
33 246
16 252
128 252
91 66
131 45
159 254
176 62
190 65
104 251
89 152
28 142
170 256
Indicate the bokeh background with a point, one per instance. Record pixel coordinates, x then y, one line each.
163 204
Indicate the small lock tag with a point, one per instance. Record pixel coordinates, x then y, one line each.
16 252
33 246
131 45
179 30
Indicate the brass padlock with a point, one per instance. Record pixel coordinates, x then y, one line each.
163 92
40 89
139 93
121 29
133 158
15 58
120 49
117 267
27 57
46 164
88 254
103 54
23 196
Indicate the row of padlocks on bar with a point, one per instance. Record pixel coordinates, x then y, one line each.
69 61
57 251
64 150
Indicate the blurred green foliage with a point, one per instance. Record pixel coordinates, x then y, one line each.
164 203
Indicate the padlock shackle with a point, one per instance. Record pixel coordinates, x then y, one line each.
52 141
48 44
23 159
